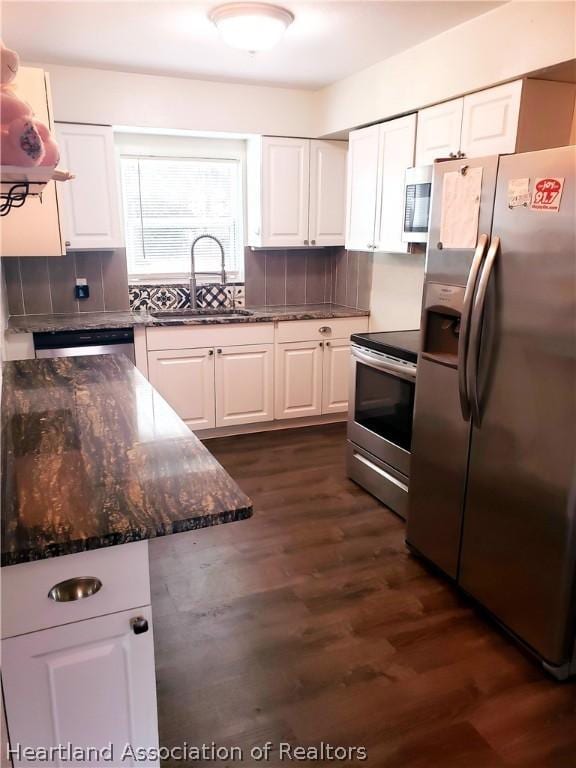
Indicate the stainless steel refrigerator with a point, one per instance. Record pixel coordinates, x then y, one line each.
492 498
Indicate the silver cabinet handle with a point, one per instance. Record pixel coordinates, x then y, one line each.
305 242
463 338
325 329
312 242
67 243
369 246
476 328
75 589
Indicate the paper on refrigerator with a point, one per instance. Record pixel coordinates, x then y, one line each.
460 208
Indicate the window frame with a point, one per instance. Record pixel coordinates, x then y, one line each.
141 153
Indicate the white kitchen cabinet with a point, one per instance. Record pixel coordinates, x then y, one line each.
186 379
244 384
91 201
327 221
378 159
521 116
296 192
439 130
34 229
283 171
298 379
335 376
395 155
362 188
89 683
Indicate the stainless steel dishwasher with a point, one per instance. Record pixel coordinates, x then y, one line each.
104 341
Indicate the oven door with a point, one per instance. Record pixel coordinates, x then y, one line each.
381 407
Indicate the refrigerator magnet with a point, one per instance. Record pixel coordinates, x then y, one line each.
518 193
547 194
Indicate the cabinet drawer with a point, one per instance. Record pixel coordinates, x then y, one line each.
122 570
189 337
304 330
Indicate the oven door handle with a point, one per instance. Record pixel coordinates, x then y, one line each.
381 365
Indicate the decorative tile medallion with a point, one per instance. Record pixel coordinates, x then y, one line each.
177 296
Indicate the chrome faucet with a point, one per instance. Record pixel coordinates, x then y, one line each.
194 274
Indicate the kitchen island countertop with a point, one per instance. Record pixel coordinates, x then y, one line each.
93 456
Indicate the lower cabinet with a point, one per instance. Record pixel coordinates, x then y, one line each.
90 683
298 379
185 379
312 378
335 376
244 384
216 386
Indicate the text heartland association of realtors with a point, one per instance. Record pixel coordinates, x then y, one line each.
281 751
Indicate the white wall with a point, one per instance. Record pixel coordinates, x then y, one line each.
84 95
506 43
396 295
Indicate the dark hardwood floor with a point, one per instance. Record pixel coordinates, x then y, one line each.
311 623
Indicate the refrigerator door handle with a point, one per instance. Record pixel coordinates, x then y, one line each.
476 328
463 339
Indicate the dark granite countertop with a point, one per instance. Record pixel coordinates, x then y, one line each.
94 320
92 456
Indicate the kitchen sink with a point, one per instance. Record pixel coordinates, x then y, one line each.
179 314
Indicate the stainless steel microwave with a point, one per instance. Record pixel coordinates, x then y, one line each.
417 195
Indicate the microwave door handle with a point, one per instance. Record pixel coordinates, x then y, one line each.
381 365
463 338
476 328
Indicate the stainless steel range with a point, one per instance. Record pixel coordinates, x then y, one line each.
380 415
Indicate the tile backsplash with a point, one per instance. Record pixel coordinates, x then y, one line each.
177 295
273 277
308 276
40 285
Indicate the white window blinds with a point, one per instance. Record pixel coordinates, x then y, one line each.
168 202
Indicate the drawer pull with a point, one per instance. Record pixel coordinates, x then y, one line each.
325 329
139 625
75 589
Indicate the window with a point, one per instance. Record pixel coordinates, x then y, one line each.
169 201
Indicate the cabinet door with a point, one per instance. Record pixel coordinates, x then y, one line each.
285 191
185 378
335 376
328 192
396 154
298 379
91 203
89 683
34 229
362 185
490 120
438 132
244 384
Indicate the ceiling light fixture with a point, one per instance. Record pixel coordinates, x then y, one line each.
251 26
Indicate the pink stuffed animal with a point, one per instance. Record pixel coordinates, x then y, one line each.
24 141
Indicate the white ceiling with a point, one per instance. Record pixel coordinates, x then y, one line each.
326 42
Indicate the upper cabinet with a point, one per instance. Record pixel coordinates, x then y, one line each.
327 210
439 130
296 192
91 201
34 229
522 116
362 188
377 161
